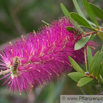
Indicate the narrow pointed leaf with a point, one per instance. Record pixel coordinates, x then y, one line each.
97 11
90 28
82 90
67 14
76 76
92 83
90 12
80 12
88 90
79 19
85 56
97 70
65 11
101 70
94 67
78 8
89 55
93 62
95 89
75 65
83 67
71 29
81 43
84 81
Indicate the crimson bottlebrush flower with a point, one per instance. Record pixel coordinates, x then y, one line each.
40 57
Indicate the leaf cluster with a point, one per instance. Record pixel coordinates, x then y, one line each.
91 74
81 21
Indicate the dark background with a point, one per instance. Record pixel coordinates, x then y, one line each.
19 17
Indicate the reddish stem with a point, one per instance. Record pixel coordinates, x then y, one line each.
92 32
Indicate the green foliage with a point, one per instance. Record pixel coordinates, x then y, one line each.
87 88
81 43
84 81
79 19
76 76
29 15
65 11
78 8
95 89
89 55
95 63
75 65
90 28
97 11
94 73
80 12
101 70
90 11
71 29
67 14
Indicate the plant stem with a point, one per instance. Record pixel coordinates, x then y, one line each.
92 32
85 56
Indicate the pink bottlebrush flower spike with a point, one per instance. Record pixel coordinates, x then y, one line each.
40 57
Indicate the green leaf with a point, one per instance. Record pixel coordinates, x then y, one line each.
88 90
101 70
89 54
71 29
67 14
83 67
96 72
100 35
95 64
95 89
65 11
85 56
78 9
97 11
82 90
84 81
76 76
92 83
79 19
90 12
80 12
81 43
90 28
75 65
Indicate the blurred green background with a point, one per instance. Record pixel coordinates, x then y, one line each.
19 17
